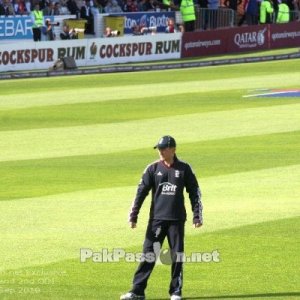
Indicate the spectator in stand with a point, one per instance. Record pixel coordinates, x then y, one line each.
155 4
187 10
204 19
8 8
232 4
297 9
142 29
68 34
2 10
63 9
168 5
43 4
56 9
112 6
143 5
73 8
275 4
116 8
266 11
131 6
107 32
149 5
48 31
283 15
86 13
100 5
84 9
37 22
140 5
250 13
111 33
137 29
213 6
292 4
20 7
203 3
28 6
171 26
49 9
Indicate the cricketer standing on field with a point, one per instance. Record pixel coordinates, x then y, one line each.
166 178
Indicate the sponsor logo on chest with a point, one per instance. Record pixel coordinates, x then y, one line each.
168 188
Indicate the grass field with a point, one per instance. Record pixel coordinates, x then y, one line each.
72 150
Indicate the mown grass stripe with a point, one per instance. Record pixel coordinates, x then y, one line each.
18 86
98 93
255 250
56 227
130 109
116 137
32 178
260 257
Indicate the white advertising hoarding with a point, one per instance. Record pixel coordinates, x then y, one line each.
90 52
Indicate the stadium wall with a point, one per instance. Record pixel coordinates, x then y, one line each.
241 39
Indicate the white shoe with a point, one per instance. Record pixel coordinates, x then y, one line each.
132 296
175 297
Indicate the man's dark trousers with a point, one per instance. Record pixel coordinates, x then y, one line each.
156 232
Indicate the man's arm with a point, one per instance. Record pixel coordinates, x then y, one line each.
194 192
142 191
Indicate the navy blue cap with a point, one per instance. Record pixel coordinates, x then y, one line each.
166 142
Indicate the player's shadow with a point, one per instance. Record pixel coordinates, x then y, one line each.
260 296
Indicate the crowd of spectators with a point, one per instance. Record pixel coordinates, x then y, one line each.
75 7
86 8
82 7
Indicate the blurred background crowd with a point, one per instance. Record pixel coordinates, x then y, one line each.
81 8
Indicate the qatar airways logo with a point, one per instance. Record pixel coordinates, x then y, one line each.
168 188
250 39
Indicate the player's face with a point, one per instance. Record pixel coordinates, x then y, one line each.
166 154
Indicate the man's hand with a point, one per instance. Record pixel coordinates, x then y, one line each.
197 225
132 225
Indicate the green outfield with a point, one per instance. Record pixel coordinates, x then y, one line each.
72 150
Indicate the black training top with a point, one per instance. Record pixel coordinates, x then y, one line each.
167 185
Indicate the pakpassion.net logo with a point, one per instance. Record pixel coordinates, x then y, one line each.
159 256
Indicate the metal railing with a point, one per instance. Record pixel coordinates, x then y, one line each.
226 17
294 16
214 18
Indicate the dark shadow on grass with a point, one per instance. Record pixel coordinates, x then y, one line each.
267 295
